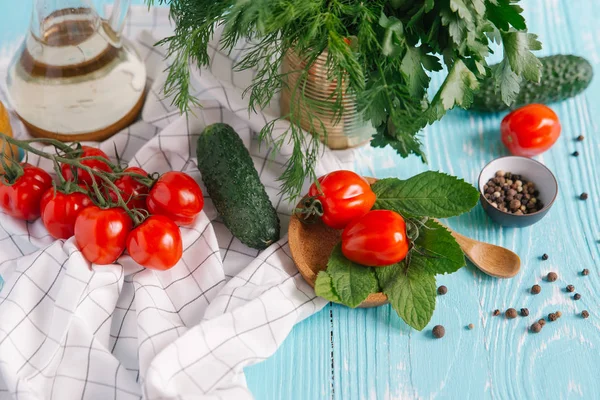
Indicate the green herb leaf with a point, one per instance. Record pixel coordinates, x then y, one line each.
410 291
428 194
413 71
502 13
507 81
517 48
324 287
436 250
351 282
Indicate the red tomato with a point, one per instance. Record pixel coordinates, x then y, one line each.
530 130
132 191
176 195
156 243
101 234
82 175
22 198
377 239
59 211
345 196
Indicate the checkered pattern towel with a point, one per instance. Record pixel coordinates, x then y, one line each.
71 330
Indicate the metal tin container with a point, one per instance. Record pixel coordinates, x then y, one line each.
338 133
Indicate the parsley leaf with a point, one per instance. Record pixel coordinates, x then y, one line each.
410 291
411 67
507 81
324 287
441 254
428 194
517 48
351 282
502 13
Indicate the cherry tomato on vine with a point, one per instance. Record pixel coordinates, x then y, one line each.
530 130
344 196
376 239
82 175
60 211
177 196
132 190
22 198
101 234
156 243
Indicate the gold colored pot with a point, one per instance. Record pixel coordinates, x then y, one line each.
348 131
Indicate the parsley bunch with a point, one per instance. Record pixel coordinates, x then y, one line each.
381 49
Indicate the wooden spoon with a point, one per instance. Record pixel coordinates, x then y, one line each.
311 245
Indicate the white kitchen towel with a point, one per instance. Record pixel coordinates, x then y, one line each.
71 330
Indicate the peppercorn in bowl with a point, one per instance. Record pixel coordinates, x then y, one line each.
517 191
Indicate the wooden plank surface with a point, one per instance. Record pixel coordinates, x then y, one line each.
371 354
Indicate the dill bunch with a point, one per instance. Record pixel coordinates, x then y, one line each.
382 50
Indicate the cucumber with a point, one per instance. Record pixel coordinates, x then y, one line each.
563 76
233 184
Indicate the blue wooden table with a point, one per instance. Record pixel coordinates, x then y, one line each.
371 354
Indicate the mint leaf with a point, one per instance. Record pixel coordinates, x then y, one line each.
428 194
517 49
351 282
411 292
437 252
324 287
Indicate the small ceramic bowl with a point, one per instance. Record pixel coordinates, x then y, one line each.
532 171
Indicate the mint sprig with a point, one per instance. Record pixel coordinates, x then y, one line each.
409 285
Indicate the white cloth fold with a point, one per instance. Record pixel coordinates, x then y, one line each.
71 330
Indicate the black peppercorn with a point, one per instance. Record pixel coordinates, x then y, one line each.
552 317
542 322
438 331
583 196
536 289
536 327
570 288
585 314
496 313
544 256
524 312
576 296
442 290
552 277
511 313
585 272
580 138
576 154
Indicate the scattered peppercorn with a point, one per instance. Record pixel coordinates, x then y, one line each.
544 256
438 331
442 290
542 322
536 327
576 154
471 326
585 314
524 312
536 289
511 313
552 317
552 277
580 138
577 296
512 194
585 272
496 313
558 314
583 196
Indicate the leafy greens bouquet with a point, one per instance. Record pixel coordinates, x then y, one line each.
381 50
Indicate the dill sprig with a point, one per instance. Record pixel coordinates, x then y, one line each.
381 50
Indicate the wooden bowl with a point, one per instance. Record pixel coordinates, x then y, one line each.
311 245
